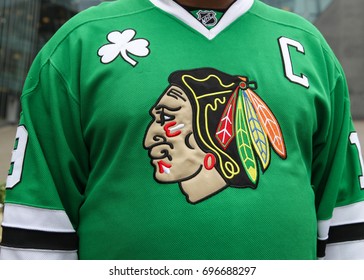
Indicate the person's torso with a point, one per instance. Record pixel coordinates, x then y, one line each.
128 213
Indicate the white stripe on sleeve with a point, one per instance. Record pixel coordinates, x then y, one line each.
32 218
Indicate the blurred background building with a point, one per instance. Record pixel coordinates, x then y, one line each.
25 25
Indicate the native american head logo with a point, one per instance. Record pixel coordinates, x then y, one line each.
210 131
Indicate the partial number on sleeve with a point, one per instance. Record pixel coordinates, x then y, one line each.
354 140
17 159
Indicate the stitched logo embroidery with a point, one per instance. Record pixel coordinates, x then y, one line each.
123 44
210 131
207 18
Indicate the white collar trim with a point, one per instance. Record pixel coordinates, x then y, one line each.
237 9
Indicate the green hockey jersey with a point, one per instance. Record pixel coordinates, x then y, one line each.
149 131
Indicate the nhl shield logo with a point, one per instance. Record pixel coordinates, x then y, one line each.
207 18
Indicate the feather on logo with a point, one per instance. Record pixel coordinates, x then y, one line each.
250 120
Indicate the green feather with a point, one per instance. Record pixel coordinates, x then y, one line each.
244 144
258 135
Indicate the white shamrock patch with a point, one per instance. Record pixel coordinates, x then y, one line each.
124 44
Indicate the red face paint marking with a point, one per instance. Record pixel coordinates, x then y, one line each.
169 133
163 166
209 161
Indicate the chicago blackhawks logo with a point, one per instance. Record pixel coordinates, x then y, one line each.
210 131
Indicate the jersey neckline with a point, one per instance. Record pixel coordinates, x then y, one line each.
237 9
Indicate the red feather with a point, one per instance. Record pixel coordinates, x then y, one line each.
226 131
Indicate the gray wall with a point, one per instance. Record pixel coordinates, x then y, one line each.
342 24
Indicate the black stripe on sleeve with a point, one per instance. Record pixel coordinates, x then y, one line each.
321 248
344 233
33 239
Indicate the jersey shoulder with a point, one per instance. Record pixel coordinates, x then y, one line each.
298 28
80 30
284 20
105 10
100 13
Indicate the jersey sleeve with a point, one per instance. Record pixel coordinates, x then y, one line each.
48 171
338 180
